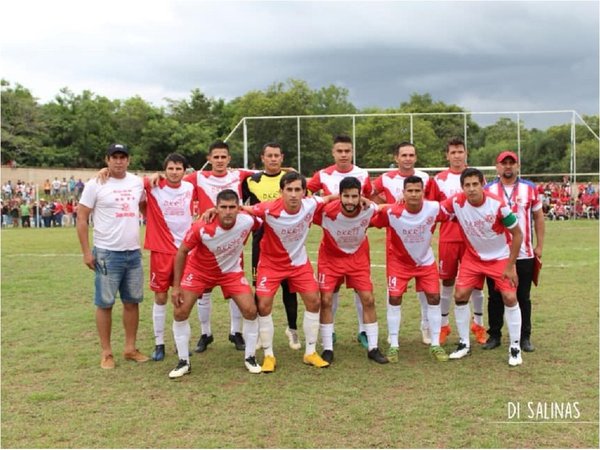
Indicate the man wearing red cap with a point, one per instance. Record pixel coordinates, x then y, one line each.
521 196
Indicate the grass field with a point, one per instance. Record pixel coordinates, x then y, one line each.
55 395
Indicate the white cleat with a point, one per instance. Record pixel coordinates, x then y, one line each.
293 338
514 357
252 365
183 368
425 336
461 351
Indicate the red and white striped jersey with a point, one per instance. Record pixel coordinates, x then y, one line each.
168 215
208 185
217 250
283 244
391 184
445 185
484 227
328 180
343 235
411 233
523 199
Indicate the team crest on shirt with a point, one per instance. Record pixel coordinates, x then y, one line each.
430 220
243 281
489 218
308 218
364 222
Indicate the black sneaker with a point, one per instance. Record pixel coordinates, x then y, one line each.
526 345
327 355
491 343
203 343
238 340
159 352
376 355
183 368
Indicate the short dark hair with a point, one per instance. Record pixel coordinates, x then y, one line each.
272 144
397 147
413 179
176 158
471 172
342 138
455 140
218 144
227 194
350 183
290 177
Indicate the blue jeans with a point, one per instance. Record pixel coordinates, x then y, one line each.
118 271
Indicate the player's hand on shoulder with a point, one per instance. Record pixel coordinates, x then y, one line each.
102 175
209 215
155 178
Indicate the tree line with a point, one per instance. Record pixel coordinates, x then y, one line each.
73 129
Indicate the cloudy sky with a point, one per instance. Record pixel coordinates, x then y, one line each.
483 56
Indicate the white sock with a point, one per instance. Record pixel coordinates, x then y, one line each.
394 315
335 301
266 331
204 313
423 300
236 317
513 321
372 330
181 334
434 314
359 312
250 333
159 313
311 331
461 315
445 298
477 300
327 335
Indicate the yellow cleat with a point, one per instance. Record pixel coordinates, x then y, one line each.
315 360
269 364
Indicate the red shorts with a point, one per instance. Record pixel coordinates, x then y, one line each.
473 271
161 271
427 279
300 279
355 269
449 255
230 283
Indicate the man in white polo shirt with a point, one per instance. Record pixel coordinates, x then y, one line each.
116 257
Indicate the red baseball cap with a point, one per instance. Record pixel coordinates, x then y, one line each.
507 154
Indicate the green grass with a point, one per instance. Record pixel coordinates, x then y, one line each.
55 395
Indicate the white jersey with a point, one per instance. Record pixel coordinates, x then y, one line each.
283 244
484 226
115 205
391 184
328 180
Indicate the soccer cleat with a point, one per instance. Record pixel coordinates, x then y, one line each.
293 340
269 364
203 343
238 340
526 345
159 352
392 354
376 355
438 353
107 362
444 332
252 365
479 332
327 356
362 339
425 336
461 351
514 357
183 368
491 343
136 356
315 360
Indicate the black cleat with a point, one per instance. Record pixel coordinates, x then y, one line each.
376 355
491 343
203 343
238 340
159 352
526 345
327 356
